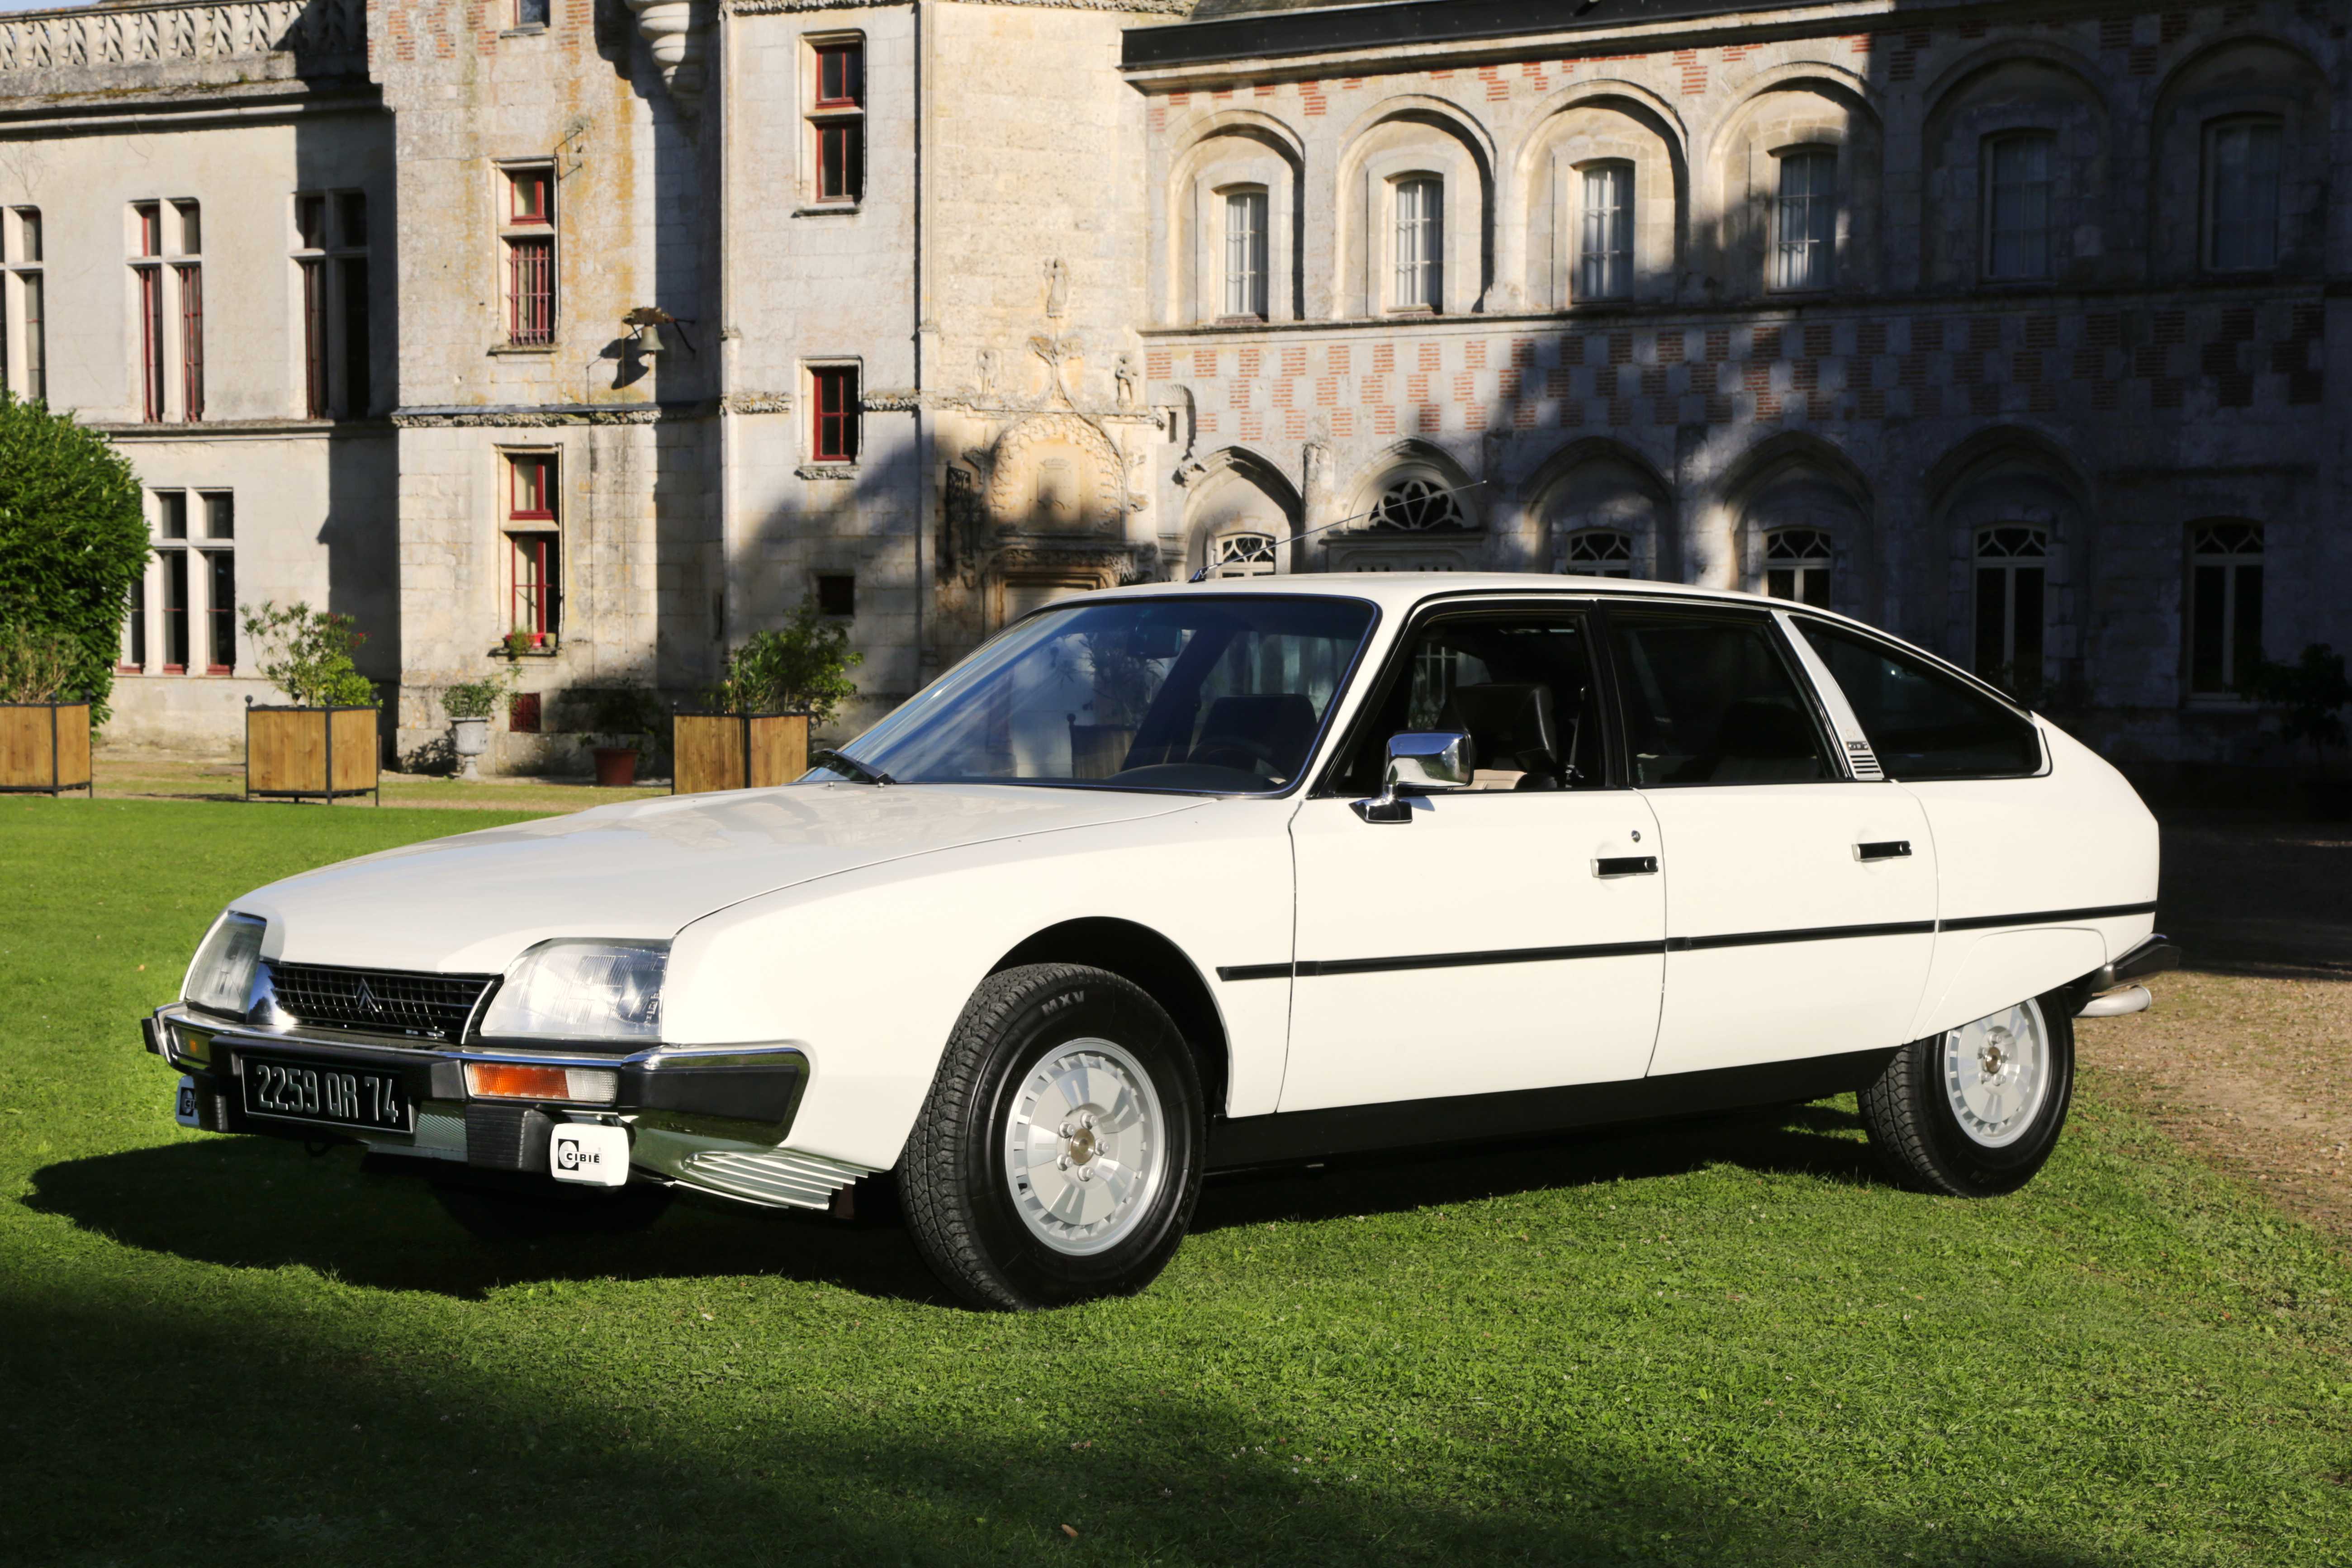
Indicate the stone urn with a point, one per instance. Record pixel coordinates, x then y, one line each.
469 738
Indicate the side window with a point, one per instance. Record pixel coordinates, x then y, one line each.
1922 723
1709 699
1521 685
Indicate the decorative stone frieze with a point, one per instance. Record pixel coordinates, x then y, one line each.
543 418
760 402
316 34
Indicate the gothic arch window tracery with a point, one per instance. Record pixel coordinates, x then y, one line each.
1418 503
1599 553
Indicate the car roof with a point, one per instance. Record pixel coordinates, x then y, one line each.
1402 589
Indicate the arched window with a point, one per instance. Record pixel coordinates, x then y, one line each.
1605 241
1805 220
1246 246
2012 564
2225 604
2017 204
1599 553
1420 244
2242 194
1417 505
1797 565
1242 555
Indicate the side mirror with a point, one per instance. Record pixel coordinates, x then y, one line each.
1421 761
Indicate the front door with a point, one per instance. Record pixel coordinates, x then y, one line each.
1504 937
1800 903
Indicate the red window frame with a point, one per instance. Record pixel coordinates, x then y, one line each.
150 227
531 499
833 434
840 160
192 341
150 343
540 211
531 605
220 612
175 611
841 74
314 336
530 289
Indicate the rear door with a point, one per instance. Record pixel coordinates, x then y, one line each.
1800 900
1507 936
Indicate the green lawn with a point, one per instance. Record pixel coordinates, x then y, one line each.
1725 1343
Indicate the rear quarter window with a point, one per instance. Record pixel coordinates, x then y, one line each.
1923 722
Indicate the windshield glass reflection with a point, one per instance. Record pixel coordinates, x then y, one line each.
1206 695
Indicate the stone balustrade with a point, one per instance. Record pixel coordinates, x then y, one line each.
62 44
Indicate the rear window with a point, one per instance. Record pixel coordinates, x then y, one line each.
1923 722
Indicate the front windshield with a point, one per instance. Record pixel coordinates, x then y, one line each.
1218 696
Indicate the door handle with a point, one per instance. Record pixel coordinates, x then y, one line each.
1626 866
1884 850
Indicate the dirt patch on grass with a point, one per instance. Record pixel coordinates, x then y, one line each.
2246 1059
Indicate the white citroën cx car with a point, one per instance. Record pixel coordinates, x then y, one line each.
1178 879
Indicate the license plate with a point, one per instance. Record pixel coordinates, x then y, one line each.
330 1095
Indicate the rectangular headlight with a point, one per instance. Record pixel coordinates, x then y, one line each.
581 991
220 979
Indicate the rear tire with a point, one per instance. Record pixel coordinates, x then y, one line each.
1058 1155
1975 1112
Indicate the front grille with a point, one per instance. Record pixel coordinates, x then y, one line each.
379 1001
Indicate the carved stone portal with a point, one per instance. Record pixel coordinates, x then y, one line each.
1057 475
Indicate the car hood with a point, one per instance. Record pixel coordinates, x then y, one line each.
645 869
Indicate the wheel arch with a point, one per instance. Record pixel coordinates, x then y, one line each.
1139 953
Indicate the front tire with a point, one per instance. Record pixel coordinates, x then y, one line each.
1058 1155
1975 1112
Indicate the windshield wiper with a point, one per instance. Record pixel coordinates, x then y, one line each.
843 762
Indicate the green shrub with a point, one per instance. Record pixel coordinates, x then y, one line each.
618 715
37 663
800 670
72 539
473 699
2308 696
307 655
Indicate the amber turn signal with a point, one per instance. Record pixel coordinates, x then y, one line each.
508 1080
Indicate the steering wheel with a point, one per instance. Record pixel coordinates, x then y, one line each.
1242 755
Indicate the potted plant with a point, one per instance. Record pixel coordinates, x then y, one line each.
621 723
754 730
469 705
2309 696
44 735
321 742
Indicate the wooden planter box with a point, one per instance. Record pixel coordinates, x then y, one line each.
45 748
311 753
736 750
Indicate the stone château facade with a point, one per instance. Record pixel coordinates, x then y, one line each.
2022 331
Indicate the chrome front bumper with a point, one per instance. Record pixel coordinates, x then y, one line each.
706 1115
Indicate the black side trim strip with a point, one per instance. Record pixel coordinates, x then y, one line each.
1306 967
1481 1118
1812 934
1472 959
2048 917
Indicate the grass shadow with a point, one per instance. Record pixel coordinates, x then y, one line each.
260 1202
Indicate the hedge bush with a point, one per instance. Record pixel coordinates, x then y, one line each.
73 538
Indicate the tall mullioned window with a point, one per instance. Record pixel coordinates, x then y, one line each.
2012 567
529 236
24 335
534 548
2017 206
1420 243
330 240
834 429
838 120
1797 565
1805 221
2225 604
1245 253
147 275
1604 262
188 276
2242 194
